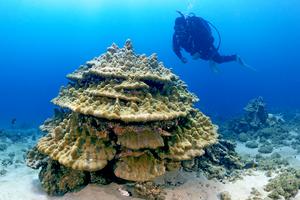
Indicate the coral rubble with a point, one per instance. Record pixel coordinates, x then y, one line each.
124 112
225 195
149 191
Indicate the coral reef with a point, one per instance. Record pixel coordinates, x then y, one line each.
277 134
272 163
284 185
114 86
122 111
14 143
255 117
57 179
101 177
262 130
252 124
219 161
35 159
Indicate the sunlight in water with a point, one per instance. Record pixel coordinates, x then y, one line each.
82 4
191 4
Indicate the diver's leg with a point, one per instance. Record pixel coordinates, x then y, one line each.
196 56
213 66
242 62
223 59
218 59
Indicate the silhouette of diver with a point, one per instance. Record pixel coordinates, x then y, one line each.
194 35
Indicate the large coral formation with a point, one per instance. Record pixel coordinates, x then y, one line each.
126 112
134 137
116 86
191 138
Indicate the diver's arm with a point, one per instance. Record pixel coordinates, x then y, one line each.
176 47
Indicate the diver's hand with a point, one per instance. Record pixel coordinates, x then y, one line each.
183 60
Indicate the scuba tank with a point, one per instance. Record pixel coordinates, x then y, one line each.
198 21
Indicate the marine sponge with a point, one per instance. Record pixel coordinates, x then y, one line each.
126 113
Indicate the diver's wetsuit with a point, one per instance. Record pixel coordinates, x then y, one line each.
197 39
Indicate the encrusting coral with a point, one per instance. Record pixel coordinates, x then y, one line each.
139 168
284 185
57 179
124 112
75 143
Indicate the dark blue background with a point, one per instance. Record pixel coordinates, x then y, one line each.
42 41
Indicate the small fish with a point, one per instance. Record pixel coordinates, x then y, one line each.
13 121
124 192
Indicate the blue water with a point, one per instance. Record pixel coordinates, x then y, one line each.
42 41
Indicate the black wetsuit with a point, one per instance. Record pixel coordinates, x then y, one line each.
195 36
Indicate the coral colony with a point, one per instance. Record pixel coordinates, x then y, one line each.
123 113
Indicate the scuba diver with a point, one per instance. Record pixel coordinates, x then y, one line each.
194 35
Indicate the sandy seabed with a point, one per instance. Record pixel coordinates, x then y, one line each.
22 184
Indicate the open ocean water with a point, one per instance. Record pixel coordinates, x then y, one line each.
41 41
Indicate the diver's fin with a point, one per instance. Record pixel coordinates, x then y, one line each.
213 66
180 13
242 63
